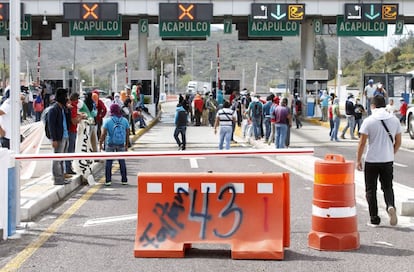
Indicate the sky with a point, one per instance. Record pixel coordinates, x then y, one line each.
385 44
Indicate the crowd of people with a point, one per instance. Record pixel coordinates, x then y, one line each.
355 111
62 112
269 120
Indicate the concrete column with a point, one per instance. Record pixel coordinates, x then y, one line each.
142 51
307 44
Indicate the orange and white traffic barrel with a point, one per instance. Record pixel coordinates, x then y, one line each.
334 216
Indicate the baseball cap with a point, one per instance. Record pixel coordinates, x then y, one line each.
371 81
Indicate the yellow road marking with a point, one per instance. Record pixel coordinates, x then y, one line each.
17 261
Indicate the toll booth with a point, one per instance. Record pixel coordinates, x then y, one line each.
150 91
62 79
230 80
314 82
396 85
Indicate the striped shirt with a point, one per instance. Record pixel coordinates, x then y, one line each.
226 116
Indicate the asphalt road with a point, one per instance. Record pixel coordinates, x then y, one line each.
94 229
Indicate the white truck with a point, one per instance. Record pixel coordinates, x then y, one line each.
200 87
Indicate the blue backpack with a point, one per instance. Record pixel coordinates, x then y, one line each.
118 133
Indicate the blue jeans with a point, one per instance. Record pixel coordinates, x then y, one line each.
180 130
349 124
71 149
122 165
281 133
267 127
57 165
334 134
225 136
257 129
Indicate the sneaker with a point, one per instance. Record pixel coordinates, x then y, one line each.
108 183
180 147
67 175
124 182
65 182
71 172
375 221
342 137
392 213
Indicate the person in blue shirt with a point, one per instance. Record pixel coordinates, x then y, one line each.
108 137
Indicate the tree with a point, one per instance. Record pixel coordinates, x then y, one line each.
368 59
320 56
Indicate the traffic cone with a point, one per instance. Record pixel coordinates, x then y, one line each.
334 220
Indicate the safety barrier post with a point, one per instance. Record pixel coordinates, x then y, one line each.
334 218
4 191
12 195
249 211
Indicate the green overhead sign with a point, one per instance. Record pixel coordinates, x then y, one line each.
181 29
25 27
360 28
263 28
96 28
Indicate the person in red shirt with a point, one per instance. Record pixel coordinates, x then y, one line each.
403 111
198 108
75 118
101 112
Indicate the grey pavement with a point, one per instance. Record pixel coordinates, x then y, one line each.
39 194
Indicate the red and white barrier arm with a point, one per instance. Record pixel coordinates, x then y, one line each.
155 154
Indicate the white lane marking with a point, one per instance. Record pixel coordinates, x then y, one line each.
193 161
108 220
400 164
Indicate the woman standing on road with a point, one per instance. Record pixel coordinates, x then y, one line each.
336 119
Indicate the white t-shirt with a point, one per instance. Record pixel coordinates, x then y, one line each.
380 148
369 90
6 118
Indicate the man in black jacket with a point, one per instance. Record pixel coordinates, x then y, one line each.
180 126
58 123
350 118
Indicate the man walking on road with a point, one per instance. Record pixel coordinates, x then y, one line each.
180 121
383 132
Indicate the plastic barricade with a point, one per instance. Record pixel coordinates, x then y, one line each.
334 219
249 211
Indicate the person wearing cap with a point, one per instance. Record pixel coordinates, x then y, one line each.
369 93
107 135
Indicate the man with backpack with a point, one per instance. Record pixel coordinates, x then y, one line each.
115 135
255 113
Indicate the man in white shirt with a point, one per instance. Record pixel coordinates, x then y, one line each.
369 93
382 131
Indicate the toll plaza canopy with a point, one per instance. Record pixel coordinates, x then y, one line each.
254 20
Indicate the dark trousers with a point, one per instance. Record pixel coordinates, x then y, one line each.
383 171
178 131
